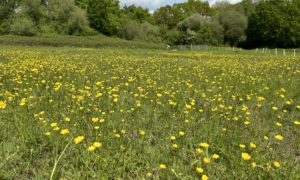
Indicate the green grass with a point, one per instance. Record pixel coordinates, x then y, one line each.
157 91
99 41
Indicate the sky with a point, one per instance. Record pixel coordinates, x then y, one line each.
154 4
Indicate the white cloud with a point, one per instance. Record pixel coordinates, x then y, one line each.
154 4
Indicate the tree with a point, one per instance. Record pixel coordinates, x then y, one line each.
235 25
66 18
104 16
275 23
138 14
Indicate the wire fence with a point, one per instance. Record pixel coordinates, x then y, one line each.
275 51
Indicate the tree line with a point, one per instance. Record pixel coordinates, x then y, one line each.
250 23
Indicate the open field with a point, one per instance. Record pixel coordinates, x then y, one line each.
83 113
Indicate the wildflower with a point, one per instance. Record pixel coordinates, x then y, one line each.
162 166
142 132
64 132
206 160
175 146
149 174
275 108
252 145
67 119
97 144
48 133
2 104
204 177
205 145
159 95
78 139
181 133
173 138
95 119
91 148
199 170
23 102
253 164
216 156
53 124
266 138
246 156
276 164
198 150
279 137
297 122
117 135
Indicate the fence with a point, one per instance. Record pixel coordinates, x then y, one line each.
276 51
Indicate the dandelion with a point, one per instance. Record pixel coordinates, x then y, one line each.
253 164
78 139
149 174
175 146
246 156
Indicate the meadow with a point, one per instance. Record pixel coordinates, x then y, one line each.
85 113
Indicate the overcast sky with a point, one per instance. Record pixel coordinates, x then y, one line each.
154 4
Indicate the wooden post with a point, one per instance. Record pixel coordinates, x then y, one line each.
294 52
284 52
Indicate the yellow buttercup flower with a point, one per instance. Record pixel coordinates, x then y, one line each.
97 144
276 164
279 137
205 145
162 166
2 104
64 132
204 177
142 132
246 156
199 170
78 139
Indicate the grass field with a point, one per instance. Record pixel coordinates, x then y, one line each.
83 113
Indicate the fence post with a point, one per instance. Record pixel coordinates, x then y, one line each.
284 52
294 52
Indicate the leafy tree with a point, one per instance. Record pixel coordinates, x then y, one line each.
66 18
235 25
138 14
104 16
275 23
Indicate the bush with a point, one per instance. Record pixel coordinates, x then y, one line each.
66 18
24 26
